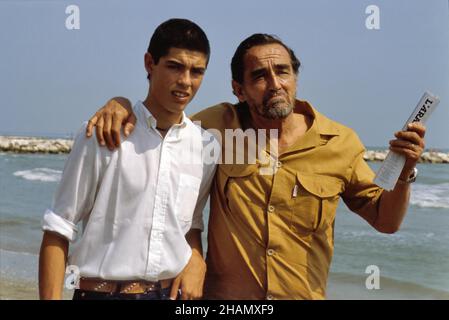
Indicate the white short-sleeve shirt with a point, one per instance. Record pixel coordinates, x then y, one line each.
136 203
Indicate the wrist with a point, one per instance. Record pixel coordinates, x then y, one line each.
196 252
409 176
122 101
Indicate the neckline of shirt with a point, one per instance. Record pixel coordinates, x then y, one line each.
151 121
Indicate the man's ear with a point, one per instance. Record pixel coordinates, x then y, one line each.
149 62
238 91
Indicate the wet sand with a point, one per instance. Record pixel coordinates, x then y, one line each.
340 287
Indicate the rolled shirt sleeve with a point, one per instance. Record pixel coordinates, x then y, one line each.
75 194
55 223
361 194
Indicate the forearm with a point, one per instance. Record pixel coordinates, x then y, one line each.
52 264
393 204
392 208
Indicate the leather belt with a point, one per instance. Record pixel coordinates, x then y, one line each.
125 287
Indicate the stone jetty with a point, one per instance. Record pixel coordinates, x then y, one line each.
426 157
34 145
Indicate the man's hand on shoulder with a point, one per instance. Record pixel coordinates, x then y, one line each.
108 121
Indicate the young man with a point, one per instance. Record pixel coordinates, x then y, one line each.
272 236
141 206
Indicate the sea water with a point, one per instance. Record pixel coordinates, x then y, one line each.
417 256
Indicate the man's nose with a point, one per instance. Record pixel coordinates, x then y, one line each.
273 82
185 79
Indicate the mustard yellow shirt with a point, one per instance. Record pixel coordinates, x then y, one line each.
272 236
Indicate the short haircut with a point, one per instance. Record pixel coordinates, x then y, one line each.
257 39
178 33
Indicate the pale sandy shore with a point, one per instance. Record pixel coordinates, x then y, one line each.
23 290
349 287
341 287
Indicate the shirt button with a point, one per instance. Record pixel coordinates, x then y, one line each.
270 252
269 297
278 164
270 208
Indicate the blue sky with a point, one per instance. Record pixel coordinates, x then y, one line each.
53 79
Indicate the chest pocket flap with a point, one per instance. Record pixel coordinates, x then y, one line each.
320 185
238 170
314 202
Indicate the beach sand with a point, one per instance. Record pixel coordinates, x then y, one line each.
350 287
24 290
340 287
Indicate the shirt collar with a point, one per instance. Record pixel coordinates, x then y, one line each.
324 126
319 133
150 121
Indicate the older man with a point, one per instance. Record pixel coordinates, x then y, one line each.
271 236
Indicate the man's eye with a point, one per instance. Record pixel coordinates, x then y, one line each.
198 72
174 67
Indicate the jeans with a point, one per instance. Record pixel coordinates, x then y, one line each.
160 294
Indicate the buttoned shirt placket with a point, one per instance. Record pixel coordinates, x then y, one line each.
160 204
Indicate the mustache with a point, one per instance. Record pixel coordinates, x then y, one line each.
278 95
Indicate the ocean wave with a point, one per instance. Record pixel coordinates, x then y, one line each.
40 174
19 221
17 253
403 238
430 196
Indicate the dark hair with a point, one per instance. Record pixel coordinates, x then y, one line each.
257 39
177 33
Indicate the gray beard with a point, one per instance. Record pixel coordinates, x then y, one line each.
276 112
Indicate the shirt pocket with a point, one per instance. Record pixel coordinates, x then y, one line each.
314 202
235 185
187 196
